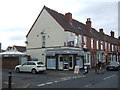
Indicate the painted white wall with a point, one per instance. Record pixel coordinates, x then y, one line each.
37 53
55 35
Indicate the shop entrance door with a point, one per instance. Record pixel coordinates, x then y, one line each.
65 62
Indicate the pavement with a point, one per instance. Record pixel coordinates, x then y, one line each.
59 74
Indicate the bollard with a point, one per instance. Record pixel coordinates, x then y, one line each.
10 80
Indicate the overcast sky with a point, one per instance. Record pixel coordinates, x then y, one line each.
17 16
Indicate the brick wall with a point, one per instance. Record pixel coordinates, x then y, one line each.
9 62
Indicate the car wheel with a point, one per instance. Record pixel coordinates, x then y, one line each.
34 71
17 70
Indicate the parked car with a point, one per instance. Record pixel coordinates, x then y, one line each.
113 66
31 66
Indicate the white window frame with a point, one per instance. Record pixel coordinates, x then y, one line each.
112 47
43 40
87 58
106 46
97 46
85 41
101 43
92 44
80 40
109 46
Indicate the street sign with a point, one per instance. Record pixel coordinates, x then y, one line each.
105 53
82 44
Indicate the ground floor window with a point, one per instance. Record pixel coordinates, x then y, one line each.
51 62
112 57
79 61
87 58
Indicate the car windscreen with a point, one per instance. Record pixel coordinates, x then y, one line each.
40 63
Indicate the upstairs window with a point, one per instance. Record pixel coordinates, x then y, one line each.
101 45
85 41
106 46
43 41
92 43
97 44
109 46
80 40
112 47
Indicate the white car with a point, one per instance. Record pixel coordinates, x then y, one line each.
31 66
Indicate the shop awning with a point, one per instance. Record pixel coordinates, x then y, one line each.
53 52
12 53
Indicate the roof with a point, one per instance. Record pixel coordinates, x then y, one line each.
20 48
12 53
76 27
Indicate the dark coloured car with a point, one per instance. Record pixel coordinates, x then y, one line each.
113 66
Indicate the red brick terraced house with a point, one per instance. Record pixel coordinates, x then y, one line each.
62 42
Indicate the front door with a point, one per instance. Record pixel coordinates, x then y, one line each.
66 62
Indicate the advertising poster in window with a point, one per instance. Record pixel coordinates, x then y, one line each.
51 63
79 62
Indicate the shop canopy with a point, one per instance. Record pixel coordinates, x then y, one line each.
12 53
69 51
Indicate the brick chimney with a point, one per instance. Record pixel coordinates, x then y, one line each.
88 23
68 17
112 34
101 31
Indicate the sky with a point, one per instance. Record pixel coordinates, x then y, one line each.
17 16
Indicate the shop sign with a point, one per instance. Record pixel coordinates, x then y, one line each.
51 63
105 53
70 44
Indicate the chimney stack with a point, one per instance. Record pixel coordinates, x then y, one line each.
112 34
68 17
88 23
101 31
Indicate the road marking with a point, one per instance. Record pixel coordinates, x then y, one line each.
7 83
109 77
55 81
49 83
41 85
62 79
88 85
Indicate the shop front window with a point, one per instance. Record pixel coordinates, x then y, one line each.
51 62
87 58
79 61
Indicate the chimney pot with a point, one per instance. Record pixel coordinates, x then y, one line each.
88 19
101 31
88 23
112 34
